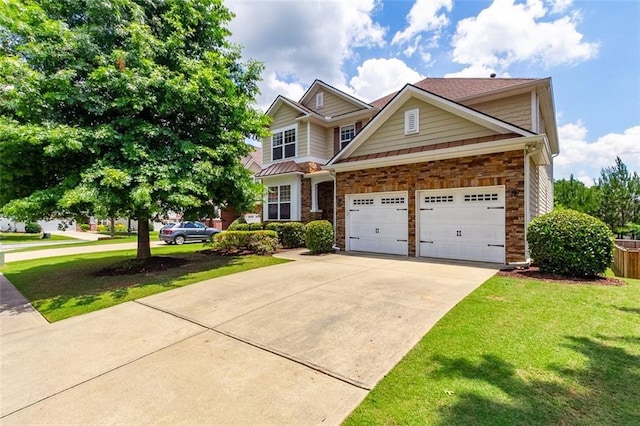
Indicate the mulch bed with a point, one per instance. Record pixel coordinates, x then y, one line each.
534 273
144 266
226 252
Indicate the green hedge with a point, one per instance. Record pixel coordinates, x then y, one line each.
319 236
292 235
570 243
32 228
259 242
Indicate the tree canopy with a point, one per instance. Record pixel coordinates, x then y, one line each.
614 198
125 107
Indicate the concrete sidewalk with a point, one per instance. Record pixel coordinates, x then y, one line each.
16 313
66 251
299 343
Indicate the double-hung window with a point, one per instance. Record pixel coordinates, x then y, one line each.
279 202
283 144
346 134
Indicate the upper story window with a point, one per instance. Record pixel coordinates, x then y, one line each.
283 144
319 99
346 134
411 121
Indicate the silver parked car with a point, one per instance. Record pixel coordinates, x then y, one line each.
178 233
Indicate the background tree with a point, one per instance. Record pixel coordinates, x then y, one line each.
573 194
619 196
133 106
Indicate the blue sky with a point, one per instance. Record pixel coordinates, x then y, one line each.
369 48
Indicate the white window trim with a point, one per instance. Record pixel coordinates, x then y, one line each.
344 143
415 113
294 182
279 202
282 130
319 99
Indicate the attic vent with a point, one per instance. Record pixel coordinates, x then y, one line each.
411 121
319 100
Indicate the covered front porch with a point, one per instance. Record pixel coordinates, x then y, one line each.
317 193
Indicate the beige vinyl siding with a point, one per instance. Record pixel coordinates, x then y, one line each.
515 109
546 188
285 116
333 105
318 142
534 190
328 137
540 189
436 126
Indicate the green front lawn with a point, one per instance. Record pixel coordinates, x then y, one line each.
520 352
118 239
20 237
62 287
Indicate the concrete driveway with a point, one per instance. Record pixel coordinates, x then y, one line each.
298 343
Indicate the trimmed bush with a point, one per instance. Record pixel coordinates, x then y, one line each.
319 236
292 235
257 226
102 228
259 242
84 227
32 228
121 227
275 226
570 243
239 221
241 227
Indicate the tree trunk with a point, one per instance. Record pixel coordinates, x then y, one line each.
144 248
112 227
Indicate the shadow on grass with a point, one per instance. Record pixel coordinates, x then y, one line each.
629 310
605 391
72 278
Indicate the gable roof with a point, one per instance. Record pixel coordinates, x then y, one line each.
457 89
410 91
347 97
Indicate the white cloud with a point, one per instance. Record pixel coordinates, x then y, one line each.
303 39
585 159
379 77
506 33
476 71
559 6
425 15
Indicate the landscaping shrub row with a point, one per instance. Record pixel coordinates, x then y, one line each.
317 236
259 242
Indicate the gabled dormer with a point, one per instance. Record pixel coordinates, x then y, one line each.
314 128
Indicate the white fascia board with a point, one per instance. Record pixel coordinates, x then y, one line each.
441 154
278 102
409 92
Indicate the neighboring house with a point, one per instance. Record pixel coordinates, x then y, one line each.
447 168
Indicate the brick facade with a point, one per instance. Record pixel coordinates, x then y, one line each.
325 201
484 170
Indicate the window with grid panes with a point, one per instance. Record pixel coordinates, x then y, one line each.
283 144
279 202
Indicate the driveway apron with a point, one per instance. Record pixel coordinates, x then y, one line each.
296 343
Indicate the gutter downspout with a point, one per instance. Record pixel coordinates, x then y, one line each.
530 150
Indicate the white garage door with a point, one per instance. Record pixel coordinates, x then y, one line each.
378 222
465 223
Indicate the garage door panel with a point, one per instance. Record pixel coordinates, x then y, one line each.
378 222
463 223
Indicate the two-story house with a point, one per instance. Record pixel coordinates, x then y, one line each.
445 168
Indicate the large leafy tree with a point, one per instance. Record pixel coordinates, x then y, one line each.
130 107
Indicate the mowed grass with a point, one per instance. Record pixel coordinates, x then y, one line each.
19 237
520 352
118 239
62 287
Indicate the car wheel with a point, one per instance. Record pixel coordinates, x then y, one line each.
179 240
